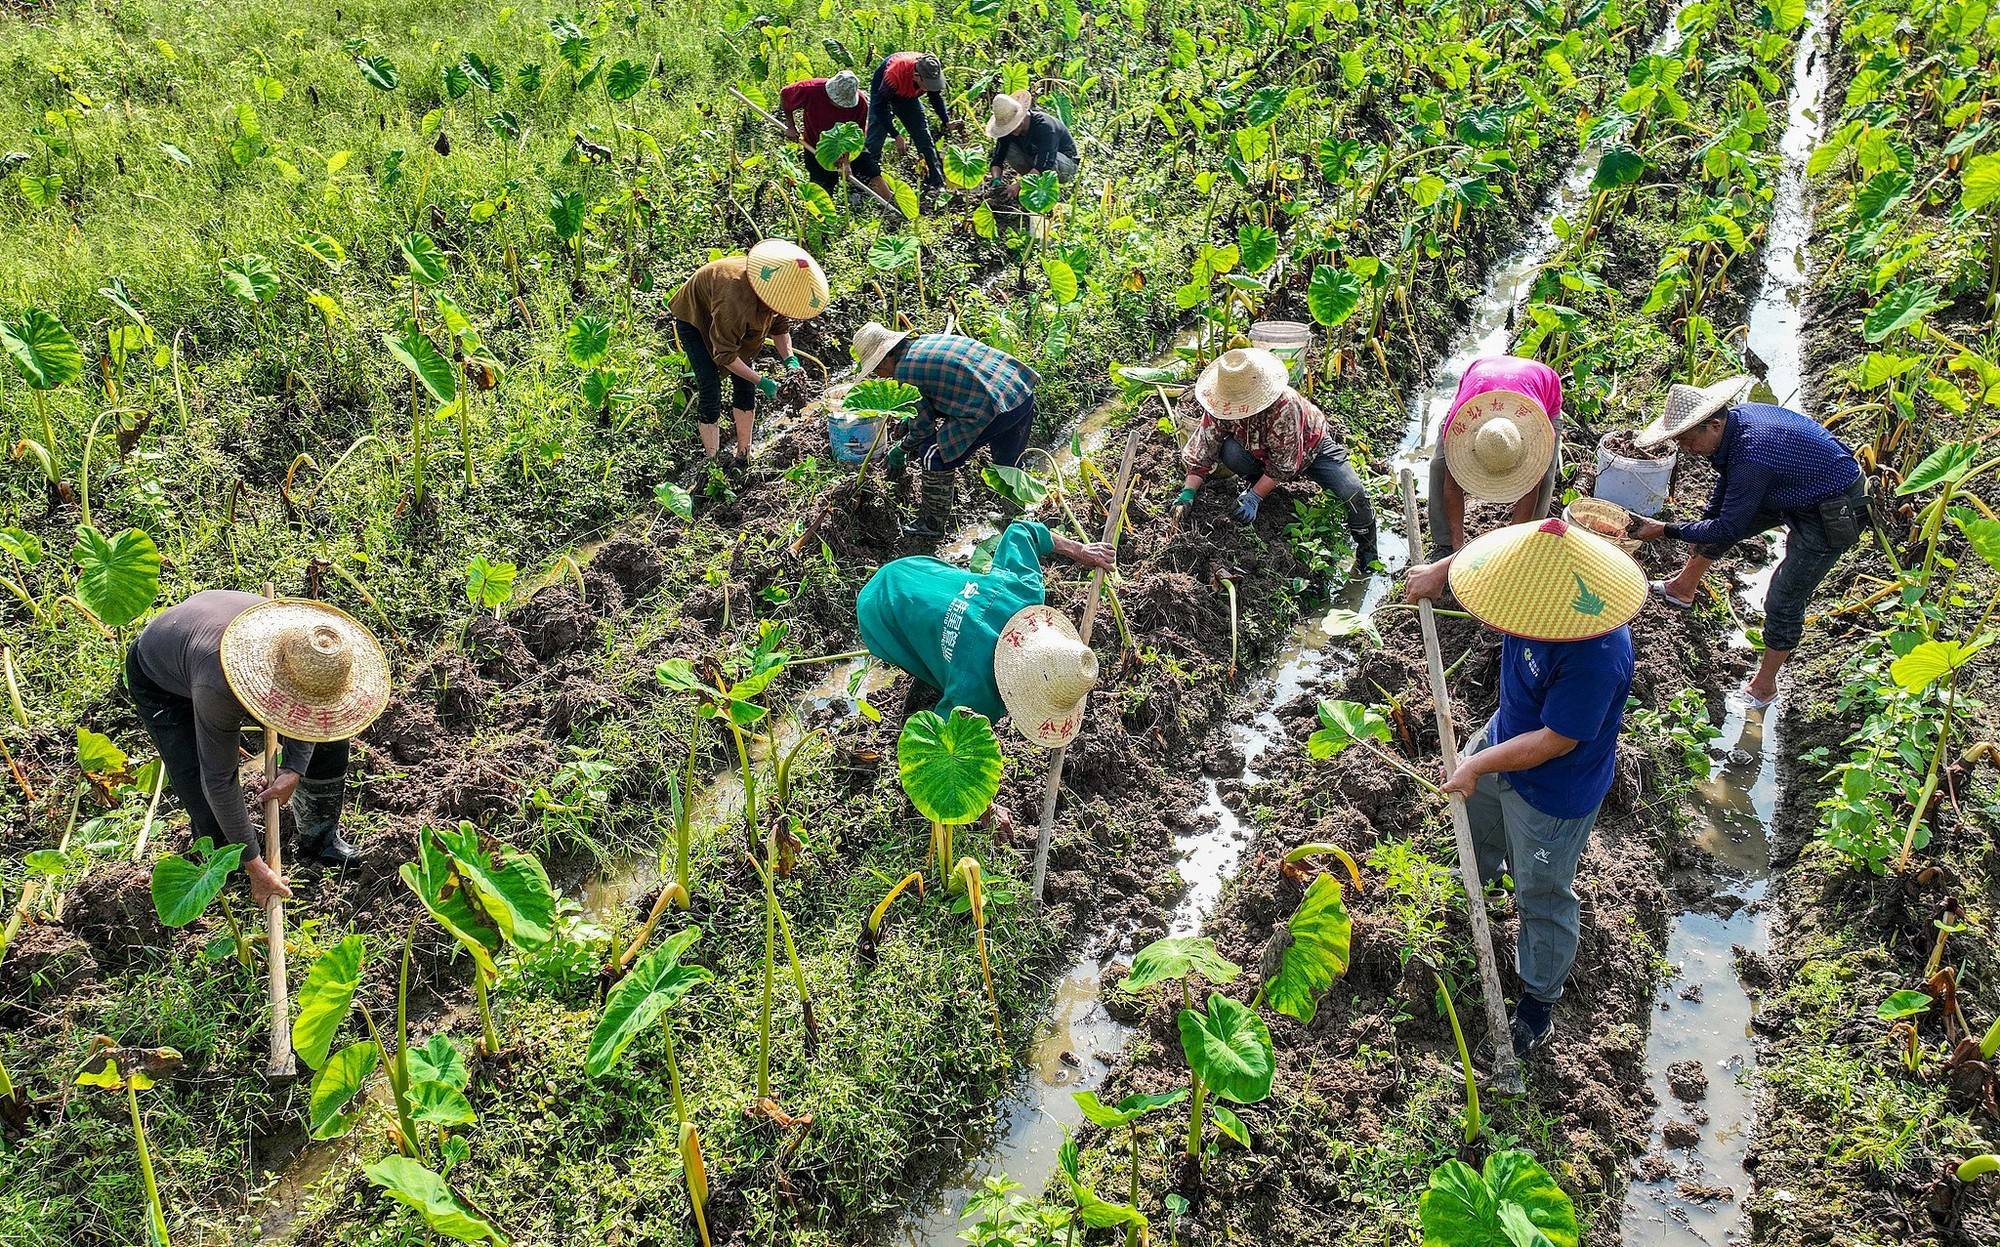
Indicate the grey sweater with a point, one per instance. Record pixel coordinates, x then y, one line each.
181 651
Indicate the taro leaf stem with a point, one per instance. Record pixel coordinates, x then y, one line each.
792 955
673 1072
156 1217
1196 1103
770 967
490 1044
1930 776
1473 1119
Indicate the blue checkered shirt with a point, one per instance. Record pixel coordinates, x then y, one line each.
1771 460
965 384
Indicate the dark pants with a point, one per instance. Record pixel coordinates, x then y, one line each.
708 378
885 107
1005 439
169 720
1330 470
1815 538
1545 494
826 179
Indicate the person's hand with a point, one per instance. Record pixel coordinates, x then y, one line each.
902 146
1099 555
896 458
266 885
1183 503
1462 781
1001 820
1647 530
1247 503
956 126
767 387
792 363
1427 580
791 132
279 789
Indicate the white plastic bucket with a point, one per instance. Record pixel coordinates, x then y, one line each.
1289 340
1639 485
851 435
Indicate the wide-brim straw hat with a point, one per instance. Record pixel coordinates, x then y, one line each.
1499 445
872 344
1689 405
1548 581
1010 113
1241 383
788 280
312 671
844 89
1045 673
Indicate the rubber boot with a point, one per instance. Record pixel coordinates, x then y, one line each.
316 806
934 508
1361 528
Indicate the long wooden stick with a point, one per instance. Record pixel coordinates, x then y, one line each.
1506 1069
282 1063
854 182
1113 521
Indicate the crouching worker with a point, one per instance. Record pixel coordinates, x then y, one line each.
971 395
722 316
1267 433
1536 774
1025 140
1499 444
203 671
1774 468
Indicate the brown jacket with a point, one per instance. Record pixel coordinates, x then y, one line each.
719 302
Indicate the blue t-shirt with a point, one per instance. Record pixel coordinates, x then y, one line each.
1575 689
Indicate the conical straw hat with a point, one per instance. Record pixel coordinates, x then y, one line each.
787 279
1045 673
1548 582
1499 445
1010 113
309 670
1689 405
1241 383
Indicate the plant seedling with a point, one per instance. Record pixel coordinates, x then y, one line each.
1125 1115
1092 1210
950 768
133 1070
444 1210
1227 579
871 927
1512 1200
485 898
972 881
184 888
1474 1121
1346 724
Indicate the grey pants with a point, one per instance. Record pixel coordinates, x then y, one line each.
1545 494
1811 550
1331 471
1541 853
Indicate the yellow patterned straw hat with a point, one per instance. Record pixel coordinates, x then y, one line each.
1499 445
787 279
1045 673
1548 582
310 670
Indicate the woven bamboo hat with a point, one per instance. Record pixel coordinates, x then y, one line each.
844 89
787 279
1010 113
1241 383
310 670
1044 672
872 343
1689 405
1499 445
1548 582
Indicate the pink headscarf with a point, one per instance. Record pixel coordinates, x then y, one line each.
1514 374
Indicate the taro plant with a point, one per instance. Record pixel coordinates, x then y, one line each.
1092 1210
950 768
486 896
185 886
1349 724
868 947
1512 1199
1126 1115
133 1070
47 358
971 880
443 1210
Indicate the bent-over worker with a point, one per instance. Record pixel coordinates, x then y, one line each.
1499 444
1774 467
1535 776
1267 433
201 672
1025 140
722 316
972 395
896 95
811 107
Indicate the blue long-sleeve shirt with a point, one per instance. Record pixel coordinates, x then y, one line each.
1771 459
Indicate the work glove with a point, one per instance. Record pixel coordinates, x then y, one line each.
1183 503
767 387
1246 505
896 458
792 363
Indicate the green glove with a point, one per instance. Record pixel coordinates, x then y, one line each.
792 363
1184 502
767 387
896 457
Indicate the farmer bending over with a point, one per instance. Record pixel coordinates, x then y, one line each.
722 316
1499 444
901 81
985 641
1025 140
202 671
1260 428
1537 772
823 103
973 395
1775 468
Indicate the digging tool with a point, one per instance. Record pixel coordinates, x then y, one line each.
853 182
282 1063
1114 519
1506 1069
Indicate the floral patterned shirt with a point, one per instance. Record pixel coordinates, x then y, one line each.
1283 437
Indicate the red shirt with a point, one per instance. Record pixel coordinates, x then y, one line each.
822 114
901 74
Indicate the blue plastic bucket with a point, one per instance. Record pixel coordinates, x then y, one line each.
851 435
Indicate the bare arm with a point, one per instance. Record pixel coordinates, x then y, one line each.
1097 555
1454 509
1517 753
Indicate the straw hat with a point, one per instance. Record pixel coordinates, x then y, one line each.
1689 405
1499 445
787 279
872 343
844 89
1241 383
1045 672
1010 113
1548 582
309 670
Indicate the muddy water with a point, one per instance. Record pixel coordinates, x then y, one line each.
1704 1013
